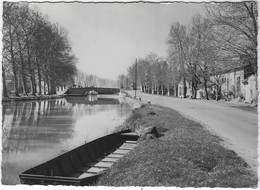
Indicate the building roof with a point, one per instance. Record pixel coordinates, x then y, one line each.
248 70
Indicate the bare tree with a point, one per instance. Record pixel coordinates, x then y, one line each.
121 80
10 25
154 61
177 49
35 49
142 73
236 25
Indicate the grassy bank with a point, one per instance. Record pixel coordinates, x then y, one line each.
185 155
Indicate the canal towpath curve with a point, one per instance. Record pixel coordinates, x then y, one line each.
237 128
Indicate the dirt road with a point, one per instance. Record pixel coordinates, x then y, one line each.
238 128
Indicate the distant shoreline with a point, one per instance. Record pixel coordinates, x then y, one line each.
27 98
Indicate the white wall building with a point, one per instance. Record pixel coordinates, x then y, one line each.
240 81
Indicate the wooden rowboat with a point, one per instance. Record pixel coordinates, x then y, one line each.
82 165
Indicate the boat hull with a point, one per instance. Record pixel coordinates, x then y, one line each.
82 165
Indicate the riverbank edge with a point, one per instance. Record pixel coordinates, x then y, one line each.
124 173
134 103
28 98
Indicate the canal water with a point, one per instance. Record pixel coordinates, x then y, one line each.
36 131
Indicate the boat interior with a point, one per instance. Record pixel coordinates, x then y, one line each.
86 161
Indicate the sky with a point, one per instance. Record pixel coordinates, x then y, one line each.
108 37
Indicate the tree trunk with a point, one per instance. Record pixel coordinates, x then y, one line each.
53 86
24 81
30 68
15 80
32 79
194 89
44 85
256 84
39 79
48 84
176 90
206 90
184 87
217 89
168 90
14 68
162 89
4 83
32 85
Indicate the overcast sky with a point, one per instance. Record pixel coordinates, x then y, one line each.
107 38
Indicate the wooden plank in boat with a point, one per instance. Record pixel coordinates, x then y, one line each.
121 151
131 142
96 170
109 159
104 164
115 155
128 146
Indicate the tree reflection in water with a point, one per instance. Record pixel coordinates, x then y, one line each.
35 131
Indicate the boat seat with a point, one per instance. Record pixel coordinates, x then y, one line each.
128 146
112 155
107 159
104 164
131 142
96 170
121 151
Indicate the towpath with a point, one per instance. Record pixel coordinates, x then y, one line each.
238 128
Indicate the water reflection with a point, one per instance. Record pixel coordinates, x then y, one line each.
91 98
36 131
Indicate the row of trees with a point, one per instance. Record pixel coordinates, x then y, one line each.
36 53
86 80
154 75
200 52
